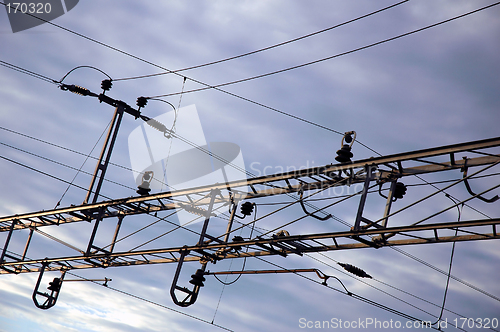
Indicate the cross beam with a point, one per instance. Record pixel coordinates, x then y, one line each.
331 176
276 245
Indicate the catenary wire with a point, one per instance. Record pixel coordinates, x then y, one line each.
156 304
27 72
375 279
266 48
78 67
374 287
44 173
451 263
83 164
60 147
339 270
332 56
62 164
70 150
196 81
353 295
444 273
384 283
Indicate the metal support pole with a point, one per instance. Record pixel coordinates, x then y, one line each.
107 149
213 193
359 216
230 222
91 246
28 241
7 241
118 226
388 204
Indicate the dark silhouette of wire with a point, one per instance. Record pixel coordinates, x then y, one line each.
153 303
451 263
353 295
45 173
268 47
136 297
91 67
27 72
84 162
444 272
381 282
329 57
163 306
61 164
191 79
61 147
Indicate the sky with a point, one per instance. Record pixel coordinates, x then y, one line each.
432 88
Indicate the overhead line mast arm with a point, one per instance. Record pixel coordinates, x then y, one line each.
103 99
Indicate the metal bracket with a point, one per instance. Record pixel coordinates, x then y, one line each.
388 204
231 219
466 182
7 241
91 245
359 215
301 193
50 299
192 295
213 193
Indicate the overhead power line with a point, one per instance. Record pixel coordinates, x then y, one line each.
27 72
329 57
353 295
62 164
191 79
266 48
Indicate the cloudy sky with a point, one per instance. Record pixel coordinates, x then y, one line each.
432 88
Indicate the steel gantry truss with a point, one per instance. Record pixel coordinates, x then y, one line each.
364 234
210 248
